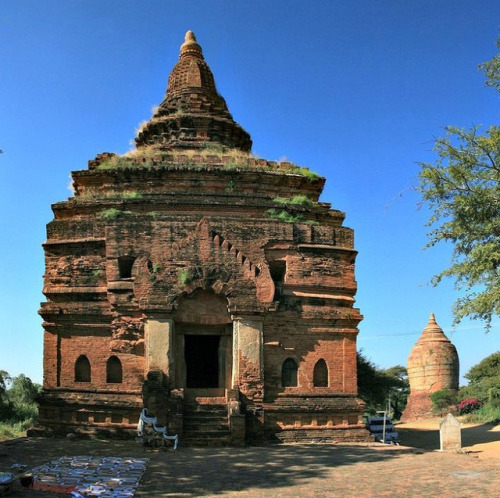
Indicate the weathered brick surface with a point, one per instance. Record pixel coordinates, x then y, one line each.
432 365
181 244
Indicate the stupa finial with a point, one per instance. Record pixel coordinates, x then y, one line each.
190 46
432 319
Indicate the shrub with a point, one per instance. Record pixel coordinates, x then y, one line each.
285 216
231 185
310 176
183 277
296 200
132 195
117 162
442 400
18 409
112 214
487 414
469 405
12 430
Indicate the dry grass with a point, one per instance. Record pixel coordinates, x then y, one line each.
212 154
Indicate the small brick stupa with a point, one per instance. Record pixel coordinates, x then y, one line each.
432 366
205 284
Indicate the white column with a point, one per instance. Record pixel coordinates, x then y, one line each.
159 345
248 362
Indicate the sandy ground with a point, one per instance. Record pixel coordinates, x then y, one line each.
479 440
366 470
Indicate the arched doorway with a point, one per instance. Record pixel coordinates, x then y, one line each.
203 338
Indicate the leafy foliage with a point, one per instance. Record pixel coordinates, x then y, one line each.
484 381
442 401
296 200
462 188
376 386
112 214
469 405
286 216
18 409
183 277
487 414
310 176
491 69
132 195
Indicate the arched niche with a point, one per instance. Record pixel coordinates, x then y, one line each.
82 369
320 375
114 373
289 371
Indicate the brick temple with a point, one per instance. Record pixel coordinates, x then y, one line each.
205 284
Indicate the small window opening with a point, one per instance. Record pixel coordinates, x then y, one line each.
82 369
278 271
125 264
289 373
114 374
320 376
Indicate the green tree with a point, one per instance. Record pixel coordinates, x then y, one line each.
399 389
376 386
462 189
484 380
22 396
5 404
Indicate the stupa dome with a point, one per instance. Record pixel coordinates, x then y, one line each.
432 365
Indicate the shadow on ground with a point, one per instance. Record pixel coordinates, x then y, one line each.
429 438
197 472
206 471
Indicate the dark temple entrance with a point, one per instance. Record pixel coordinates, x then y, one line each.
202 360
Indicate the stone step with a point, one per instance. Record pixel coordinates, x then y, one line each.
209 442
203 425
188 427
202 436
203 409
215 433
204 415
207 396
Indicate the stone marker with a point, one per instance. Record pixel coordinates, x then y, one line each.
450 434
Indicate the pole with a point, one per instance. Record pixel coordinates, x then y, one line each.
383 430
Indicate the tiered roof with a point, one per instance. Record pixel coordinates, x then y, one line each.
193 114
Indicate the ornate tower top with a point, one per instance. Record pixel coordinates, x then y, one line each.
192 113
190 47
433 332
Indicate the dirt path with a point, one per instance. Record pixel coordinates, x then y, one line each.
298 471
481 440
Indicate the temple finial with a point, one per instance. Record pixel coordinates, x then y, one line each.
432 319
190 46
189 37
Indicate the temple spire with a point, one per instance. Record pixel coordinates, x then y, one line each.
192 114
190 47
433 331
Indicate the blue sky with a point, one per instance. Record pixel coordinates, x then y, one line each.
356 90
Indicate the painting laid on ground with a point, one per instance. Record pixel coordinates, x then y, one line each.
206 285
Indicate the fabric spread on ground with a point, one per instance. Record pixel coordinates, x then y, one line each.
93 476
